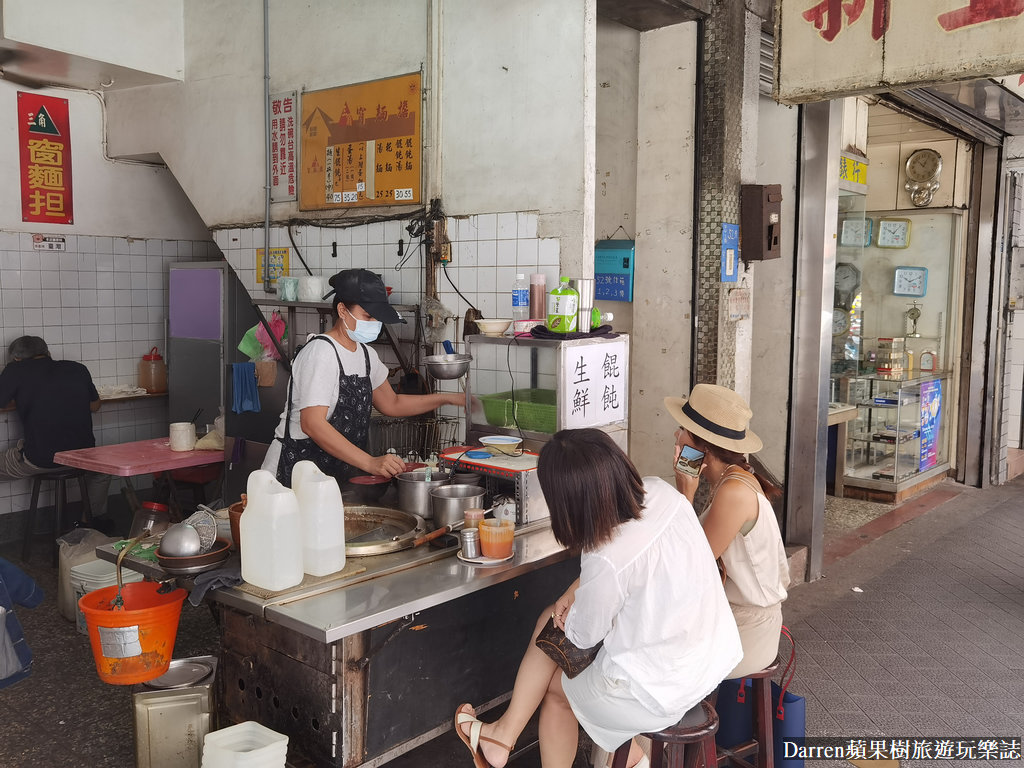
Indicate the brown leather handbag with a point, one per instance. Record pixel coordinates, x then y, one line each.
571 659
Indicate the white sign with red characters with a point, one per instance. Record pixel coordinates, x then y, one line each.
284 183
832 48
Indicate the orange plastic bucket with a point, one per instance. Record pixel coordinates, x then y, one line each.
133 644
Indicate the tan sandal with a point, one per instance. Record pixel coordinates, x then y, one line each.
472 741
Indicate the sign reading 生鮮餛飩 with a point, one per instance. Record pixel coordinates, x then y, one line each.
832 48
44 144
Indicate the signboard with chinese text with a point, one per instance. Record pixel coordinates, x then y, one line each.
361 145
49 243
284 179
278 263
44 143
833 48
613 269
730 252
594 384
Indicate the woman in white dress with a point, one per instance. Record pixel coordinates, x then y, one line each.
648 588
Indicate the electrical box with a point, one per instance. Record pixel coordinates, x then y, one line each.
760 221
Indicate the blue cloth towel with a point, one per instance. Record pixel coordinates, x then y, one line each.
245 397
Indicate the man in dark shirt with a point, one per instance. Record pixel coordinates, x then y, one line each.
55 400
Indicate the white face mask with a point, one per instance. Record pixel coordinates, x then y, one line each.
365 330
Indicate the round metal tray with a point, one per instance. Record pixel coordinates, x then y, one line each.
380 529
193 569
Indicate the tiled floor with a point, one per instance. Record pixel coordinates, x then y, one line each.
918 630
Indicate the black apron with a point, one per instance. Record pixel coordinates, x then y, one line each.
351 418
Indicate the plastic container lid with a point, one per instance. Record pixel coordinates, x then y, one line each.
153 355
155 506
520 277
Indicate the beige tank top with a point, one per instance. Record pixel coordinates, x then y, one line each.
757 571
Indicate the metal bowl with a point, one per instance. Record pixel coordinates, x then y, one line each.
368 489
447 366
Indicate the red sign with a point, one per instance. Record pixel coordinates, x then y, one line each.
44 141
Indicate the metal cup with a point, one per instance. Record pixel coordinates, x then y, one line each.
584 286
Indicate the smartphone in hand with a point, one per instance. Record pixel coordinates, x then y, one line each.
689 461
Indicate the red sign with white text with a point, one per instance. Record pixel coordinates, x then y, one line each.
44 143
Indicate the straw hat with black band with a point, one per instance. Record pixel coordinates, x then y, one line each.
718 415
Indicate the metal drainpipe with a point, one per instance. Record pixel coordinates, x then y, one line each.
267 283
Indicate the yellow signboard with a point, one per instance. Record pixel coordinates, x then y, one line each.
853 170
278 264
361 145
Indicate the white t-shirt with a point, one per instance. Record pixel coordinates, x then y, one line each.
315 382
654 595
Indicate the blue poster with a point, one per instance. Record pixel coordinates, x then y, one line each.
613 270
931 415
730 253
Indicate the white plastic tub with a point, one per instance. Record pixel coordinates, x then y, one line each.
246 745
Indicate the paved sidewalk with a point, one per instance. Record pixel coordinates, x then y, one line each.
920 632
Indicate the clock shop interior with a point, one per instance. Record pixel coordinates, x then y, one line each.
903 307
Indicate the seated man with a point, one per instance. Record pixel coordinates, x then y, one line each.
55 400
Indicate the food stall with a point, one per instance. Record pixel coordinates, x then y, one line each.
363 665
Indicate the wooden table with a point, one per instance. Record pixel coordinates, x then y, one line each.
141 457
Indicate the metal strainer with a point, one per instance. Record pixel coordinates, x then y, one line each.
206 526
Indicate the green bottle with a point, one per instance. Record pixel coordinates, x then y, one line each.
562 304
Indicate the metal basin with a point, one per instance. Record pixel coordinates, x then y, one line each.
450 502
447 366
414 491
379 530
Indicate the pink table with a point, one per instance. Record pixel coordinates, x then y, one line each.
139 458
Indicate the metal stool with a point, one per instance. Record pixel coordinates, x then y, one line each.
762 721
60 500
691 742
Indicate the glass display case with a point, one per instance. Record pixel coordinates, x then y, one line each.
531 388
898 435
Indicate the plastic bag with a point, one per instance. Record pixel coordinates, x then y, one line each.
280 330
250 345
77 546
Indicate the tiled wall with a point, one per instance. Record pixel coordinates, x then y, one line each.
102 302
488 250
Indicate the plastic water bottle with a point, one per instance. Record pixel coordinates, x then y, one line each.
520 299
323 519
271 533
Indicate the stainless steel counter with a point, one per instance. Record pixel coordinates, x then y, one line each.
392 586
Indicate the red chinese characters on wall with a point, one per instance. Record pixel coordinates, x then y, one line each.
283 181
830 16
44 142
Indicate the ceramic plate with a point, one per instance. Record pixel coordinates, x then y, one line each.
486 560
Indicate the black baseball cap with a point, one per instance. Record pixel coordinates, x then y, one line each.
365 288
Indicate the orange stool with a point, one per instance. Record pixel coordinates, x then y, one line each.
762 735
690 742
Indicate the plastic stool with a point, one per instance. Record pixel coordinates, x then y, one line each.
762 734
60 478
690 742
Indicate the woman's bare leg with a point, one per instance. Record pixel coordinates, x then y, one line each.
531 687
558 729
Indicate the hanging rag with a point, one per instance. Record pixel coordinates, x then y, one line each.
245 396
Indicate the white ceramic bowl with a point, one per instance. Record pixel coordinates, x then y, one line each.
502 443
493 327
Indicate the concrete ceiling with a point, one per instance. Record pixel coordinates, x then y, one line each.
644 15
30 66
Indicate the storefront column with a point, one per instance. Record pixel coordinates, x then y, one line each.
727 120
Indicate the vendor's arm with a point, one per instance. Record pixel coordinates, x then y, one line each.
597 601
735 505
388 402
313 421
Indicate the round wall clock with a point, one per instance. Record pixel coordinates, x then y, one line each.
923 168
840 320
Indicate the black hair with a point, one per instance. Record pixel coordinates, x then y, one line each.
590 487
771 491
27 347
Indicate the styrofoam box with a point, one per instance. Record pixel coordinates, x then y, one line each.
246 745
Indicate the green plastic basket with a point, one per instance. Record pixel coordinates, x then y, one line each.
534 409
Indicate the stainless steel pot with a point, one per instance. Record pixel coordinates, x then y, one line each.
449 502
414 491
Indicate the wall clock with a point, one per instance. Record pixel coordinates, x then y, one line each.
847 284
855 232
927 362
893 233
910 281
923 168
840 320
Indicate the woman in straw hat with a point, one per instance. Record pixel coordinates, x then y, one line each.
738 520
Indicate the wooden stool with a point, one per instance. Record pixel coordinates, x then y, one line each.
60 500
691 742
762 722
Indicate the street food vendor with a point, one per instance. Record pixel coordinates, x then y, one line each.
336 379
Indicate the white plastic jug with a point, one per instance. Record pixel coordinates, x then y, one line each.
323 519
271 532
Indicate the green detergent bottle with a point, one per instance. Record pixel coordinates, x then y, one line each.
562 304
